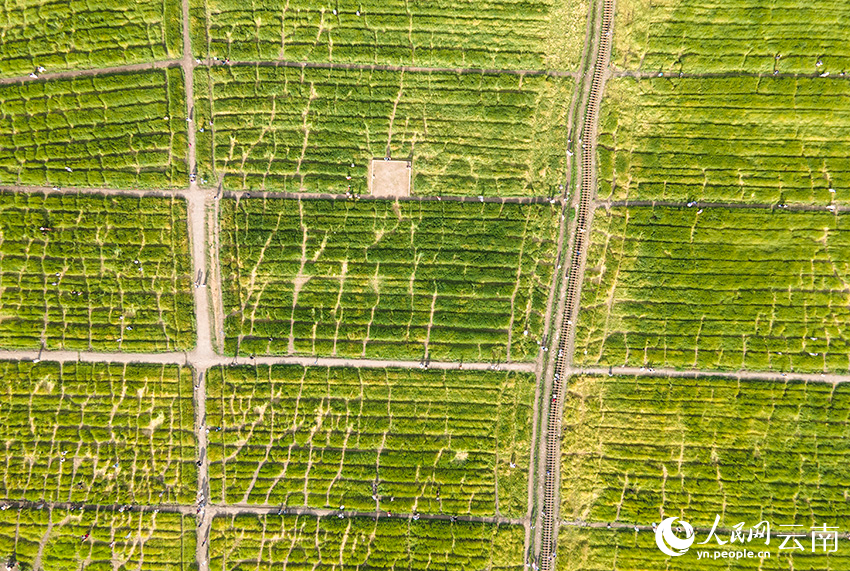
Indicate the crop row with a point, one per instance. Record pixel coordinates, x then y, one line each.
504 34
78 272
399 440
73 34
694 36
121 130
316 130
59 540
620 550
740 139
387 280
716 289
635 448
307 543
96 433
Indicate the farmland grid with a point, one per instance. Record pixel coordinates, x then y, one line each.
200 199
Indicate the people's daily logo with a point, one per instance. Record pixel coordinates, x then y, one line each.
674 537
670 543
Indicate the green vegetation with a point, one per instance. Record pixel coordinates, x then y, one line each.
721 289
732 35
401 440
303 129
504 34
739 139
635 448
92 272
76 34
122 130
52 540
97 433
603 550
386 279
307 543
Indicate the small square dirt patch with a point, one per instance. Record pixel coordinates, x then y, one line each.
389 178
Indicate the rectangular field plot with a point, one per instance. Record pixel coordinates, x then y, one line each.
75 34
123 130
92 272
504 34
317 130
399 440
96 433
638 447
52 540
301 543
722 289
697 36
760 140
621 550
386 280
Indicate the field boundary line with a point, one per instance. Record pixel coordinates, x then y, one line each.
217 510
388 67
217 193
92 72
249 509
201 362
618 73
540 199
68 190
779 377
608 204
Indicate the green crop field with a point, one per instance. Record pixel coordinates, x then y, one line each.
637 447
77 34
307 543
76 272
697 36
52 540
122 130
310 129
504 34
763 140
722 289
386 280
400 439
96 433
603 550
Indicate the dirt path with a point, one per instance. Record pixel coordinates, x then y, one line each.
164 64
331 196
731 205
594 83
201 362
398 68
775 377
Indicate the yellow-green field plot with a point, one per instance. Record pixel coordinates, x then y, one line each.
446 280
730 139
399 440
97 539
94 272
123 130
301 543
722 289
317 130
695 36
96 433
502 34
640 449
76 34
